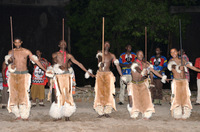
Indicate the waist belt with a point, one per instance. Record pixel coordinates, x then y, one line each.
137 82
21 72
65 72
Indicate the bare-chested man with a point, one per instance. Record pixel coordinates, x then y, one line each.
104 86
63 106
138 90
180 102
19 79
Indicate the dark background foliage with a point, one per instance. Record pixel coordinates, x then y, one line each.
41 28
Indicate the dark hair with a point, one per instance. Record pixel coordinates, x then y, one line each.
158 47
182 50
128 45
17 38
139 51
62 41
106 42
174 48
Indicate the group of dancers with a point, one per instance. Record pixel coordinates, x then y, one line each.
139 95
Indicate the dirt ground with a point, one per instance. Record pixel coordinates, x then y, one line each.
85 120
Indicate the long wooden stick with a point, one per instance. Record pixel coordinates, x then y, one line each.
145 43
181 46
63 29
11 34
103 41
63 36
69 45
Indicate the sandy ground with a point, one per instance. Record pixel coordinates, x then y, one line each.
85 120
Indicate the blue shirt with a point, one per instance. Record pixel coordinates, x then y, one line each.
126 59
158 64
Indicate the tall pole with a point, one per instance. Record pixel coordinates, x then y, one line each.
145 43
63 36
63 29
181 46
69 45
103 41
11 34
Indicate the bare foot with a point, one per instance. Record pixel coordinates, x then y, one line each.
57 119
100 116
18 118
146 119
41 104
25 119
67 119
107 116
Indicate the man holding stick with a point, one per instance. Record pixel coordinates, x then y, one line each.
63 105
19 79
138 90
180 102
104 86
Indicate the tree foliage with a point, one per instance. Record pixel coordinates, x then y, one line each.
124 23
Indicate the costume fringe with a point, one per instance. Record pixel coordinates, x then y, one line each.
55 111
7 57
133 66
187 112
24 111
67 110
15 110
108 109
87 74
98 54
177 112
116 62
163 80
147 114
34 58
170 64
99 110
10 68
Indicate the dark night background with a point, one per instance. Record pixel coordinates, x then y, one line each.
40 27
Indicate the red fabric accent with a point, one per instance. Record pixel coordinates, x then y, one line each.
124 59
152 61
133 58
65 54
140 62
5 73
43 77
54 86
197 65
161 63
